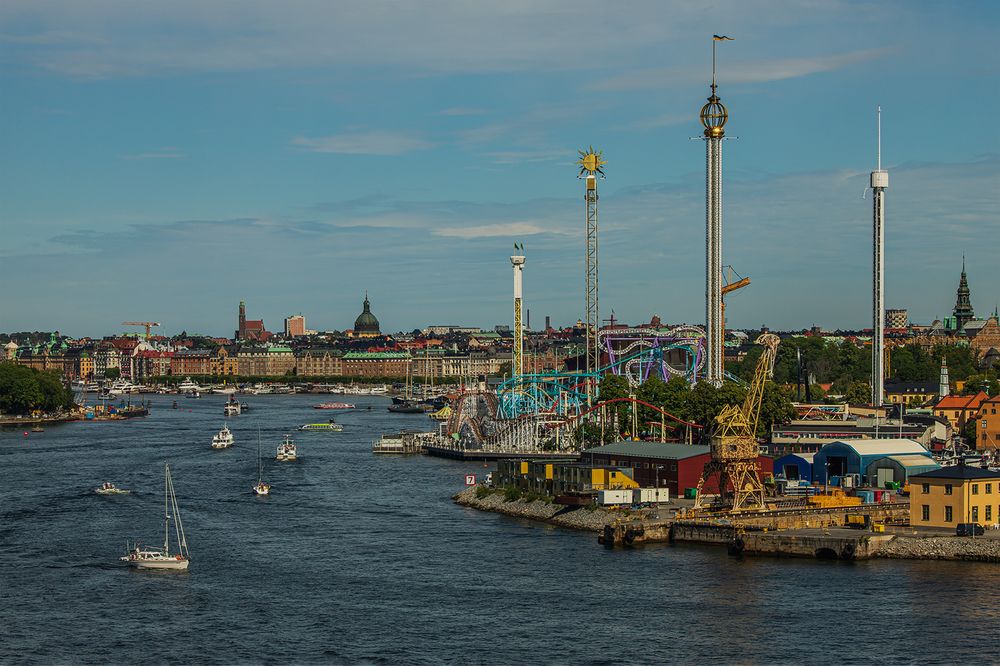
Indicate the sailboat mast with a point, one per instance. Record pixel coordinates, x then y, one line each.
178 525
166 509
259 470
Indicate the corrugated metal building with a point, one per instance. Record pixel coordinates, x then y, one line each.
853 456
795 466
898 468
673 466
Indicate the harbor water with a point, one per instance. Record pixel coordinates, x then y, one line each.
359 558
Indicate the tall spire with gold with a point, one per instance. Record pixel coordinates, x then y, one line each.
713 117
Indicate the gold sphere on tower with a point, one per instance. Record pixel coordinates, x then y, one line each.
714 116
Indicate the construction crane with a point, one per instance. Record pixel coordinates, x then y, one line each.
148 324
734 443
729 274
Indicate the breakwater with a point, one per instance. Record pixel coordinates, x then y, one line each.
577 518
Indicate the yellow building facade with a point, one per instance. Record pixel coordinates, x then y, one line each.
953 495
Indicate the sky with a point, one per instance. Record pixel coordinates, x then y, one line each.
163 160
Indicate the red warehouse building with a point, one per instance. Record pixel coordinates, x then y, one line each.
673 466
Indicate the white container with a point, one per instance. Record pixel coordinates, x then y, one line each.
650 495
612 497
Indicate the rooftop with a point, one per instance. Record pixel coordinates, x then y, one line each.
958 472
665 450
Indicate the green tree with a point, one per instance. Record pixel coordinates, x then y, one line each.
775 408
859 393
706 401
112 373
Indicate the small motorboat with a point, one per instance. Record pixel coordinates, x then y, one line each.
108 488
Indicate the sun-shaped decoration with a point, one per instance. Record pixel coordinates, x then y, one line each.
591 162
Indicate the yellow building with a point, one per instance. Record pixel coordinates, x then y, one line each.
953 495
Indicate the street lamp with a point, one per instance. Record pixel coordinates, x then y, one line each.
658 468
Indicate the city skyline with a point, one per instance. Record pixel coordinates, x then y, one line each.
169 161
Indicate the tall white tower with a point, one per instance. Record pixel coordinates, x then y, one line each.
591 165
713 116
879 182
944 385
517 262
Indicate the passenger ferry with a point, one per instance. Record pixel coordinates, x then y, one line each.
286 450
329 427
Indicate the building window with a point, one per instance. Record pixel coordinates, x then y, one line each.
989 488
975 514
947 486
989 512
975 488
925 512
947 514
673 468
926 488
984 424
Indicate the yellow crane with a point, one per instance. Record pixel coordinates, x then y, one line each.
734 442
730 286
148 324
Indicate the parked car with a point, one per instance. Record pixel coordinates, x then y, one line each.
969 529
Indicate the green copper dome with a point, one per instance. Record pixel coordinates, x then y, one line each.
366 321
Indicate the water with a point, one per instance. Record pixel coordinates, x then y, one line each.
357 558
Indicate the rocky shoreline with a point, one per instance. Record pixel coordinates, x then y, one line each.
577 518
594 519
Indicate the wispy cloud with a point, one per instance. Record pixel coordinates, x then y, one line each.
663 120
758 71
509 229
374 142
161 154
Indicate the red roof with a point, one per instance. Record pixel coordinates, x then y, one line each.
962 401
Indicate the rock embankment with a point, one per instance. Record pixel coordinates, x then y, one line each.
578 518
941 548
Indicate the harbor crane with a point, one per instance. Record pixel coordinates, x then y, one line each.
734 443
732 284
148 324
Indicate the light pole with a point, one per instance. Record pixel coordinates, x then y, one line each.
658 468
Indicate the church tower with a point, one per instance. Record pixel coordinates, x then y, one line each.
963 311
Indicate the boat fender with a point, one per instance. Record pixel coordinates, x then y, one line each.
180 557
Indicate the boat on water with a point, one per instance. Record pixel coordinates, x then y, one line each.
108 488
406 407
224 439
187 386
122 387
233 407
334 405
37 428
286 450
141 558
225 390
260 488
332 426
193 394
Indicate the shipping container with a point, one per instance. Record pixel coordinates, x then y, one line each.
612 497
650 495
690 493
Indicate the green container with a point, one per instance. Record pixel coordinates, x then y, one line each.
690 493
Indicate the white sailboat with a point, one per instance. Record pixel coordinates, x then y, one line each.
136 556
261 488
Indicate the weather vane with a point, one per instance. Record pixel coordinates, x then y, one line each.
591 162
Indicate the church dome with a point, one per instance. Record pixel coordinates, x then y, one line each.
366 323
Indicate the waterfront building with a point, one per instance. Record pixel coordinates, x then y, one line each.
584 477
295 326
376 364
958 409
671 465
319 362
951 495
191 362
154 363
265 361
224 364
988 424
805 436
366 325
795 467
855 456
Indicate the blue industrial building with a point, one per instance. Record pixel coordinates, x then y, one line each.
795 467
854 456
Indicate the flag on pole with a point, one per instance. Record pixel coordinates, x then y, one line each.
719 38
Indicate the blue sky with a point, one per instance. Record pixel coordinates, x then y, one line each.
164 160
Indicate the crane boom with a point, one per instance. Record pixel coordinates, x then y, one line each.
147 324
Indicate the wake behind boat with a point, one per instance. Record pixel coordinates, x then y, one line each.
137 556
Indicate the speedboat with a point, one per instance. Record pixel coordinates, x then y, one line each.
108 488
224 439
286 450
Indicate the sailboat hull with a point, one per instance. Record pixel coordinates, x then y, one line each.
163 564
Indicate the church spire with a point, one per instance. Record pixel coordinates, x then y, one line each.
963 311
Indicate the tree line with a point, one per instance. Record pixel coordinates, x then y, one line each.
23 390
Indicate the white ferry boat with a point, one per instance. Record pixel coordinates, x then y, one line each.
224 439
286 450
